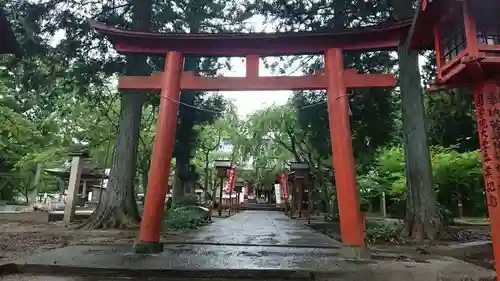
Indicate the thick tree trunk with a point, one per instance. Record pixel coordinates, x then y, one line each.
178 187
184 133
118 206
422 217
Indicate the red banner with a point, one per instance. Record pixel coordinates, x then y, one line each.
284 185
231 180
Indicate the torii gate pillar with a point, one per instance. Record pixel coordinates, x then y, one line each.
154 205
343 158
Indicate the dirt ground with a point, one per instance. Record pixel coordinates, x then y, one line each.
453 235
32 235
19 239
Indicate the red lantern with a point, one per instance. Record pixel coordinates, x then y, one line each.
284 185
465 36
466 39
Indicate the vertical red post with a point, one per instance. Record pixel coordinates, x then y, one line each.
487 103
252 66
343 158
154 205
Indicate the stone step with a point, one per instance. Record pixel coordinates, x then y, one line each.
260 207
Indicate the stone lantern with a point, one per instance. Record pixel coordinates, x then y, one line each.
300 181
222 167
238 188
466 39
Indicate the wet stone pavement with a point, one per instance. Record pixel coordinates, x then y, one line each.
247 240
261 245
261 228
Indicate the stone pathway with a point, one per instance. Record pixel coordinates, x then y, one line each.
261 228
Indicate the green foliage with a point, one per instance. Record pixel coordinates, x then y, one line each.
186 200
383 232
459 175
188 217
445 214
456 175
450 113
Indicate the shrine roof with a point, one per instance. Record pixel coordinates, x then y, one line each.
421 35
8 44
89 170
371 38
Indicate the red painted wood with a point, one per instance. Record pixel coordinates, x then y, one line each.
477 69
487 103
470 30
252 65
154 203
264 44
351 226
314 82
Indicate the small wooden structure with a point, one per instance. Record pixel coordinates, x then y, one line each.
466 38
91 178
8 42
300 182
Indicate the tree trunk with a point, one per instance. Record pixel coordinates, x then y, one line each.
383 205
26 197
118 206
207 155
34 188
145 179
178 187
422 217
184 133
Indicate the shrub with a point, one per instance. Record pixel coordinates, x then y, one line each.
445 214
187 217
455 174
377 232
186 200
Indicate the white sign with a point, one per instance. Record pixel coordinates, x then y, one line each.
277 191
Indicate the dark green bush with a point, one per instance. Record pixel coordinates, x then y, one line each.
365 204
187 217
445 214
381 232
186 200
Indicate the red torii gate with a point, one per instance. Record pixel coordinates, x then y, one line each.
336 80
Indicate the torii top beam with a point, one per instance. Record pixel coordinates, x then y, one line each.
372 38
